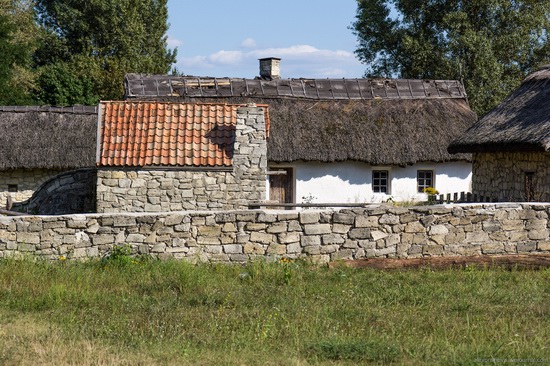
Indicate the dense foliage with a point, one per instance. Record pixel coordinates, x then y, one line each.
490 45
80 51
18 39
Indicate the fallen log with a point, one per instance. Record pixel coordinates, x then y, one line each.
519 261
11 213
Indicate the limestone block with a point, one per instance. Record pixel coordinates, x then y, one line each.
342 218
253 248
377 235
28 238
277 249
316 229
538 234
209 230
293 248
529 246
233 249
312 250
263 238
544 245
310 240
414 227
287 238
389 219
359 233
438 230
276 228
307 217
332 239
492 248
340 228
477 237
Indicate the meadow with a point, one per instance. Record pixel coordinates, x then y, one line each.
132 311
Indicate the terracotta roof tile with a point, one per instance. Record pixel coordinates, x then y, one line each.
172 134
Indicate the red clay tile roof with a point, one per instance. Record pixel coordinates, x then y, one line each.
166 134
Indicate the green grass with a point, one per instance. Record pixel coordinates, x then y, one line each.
124 311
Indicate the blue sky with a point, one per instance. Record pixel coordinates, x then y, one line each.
226 37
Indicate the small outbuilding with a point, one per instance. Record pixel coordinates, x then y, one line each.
162 156
38 143
511 144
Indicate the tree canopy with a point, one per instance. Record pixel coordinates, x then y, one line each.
489 44
79 51
17 43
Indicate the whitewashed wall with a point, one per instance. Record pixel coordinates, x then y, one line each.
352 181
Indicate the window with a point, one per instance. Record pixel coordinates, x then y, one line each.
380 181
12 188
424 179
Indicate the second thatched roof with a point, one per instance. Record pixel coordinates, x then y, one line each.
379 122
36 137
520 123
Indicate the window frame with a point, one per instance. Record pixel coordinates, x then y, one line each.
424 185
379 185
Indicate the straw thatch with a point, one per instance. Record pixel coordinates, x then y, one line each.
378 132
376 121
520 123
47 138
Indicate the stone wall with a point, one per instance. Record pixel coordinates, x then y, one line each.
502 175
148 190
240 236
26 180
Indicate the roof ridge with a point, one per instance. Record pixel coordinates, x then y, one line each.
76 109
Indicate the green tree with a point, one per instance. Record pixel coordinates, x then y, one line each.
490 44
89 46
18 40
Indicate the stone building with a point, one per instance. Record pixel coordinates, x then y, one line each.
161 156
342 140
511 144
38 143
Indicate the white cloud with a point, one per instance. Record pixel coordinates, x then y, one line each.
248 43
297 61
173 42
226 57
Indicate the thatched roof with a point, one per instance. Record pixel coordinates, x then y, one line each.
520 123
47 137
400 122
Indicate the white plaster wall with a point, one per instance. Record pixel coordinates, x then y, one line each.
351 182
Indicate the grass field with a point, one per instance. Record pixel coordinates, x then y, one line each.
129 312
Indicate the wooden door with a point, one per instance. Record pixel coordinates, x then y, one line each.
281 186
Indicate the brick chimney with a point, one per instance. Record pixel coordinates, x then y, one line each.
270 68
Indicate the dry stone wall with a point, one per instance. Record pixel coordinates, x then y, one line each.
158 190
27 182
241 236
502 175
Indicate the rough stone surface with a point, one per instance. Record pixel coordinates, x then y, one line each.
238 236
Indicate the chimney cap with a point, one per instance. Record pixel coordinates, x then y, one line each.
269 58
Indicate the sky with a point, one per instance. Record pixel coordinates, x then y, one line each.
225 38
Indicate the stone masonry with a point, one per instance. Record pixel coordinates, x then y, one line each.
241 236
158 190
502 175
26 181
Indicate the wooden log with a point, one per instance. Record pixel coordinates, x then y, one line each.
12 213
520 261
